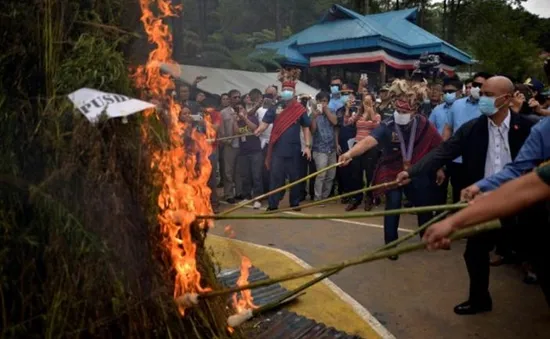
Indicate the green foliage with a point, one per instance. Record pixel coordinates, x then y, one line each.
498 33
79 241
502 38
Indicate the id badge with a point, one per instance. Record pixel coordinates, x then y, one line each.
394 138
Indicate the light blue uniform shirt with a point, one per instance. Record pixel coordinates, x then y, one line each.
462 111
439 116
535 150
335 104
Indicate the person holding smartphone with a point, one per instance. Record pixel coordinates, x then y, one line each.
365 121
323 122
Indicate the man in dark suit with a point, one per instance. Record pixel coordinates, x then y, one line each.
486 144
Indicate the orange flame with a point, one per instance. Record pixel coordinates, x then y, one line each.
246 301
183 166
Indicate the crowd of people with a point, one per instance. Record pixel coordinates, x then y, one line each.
471 136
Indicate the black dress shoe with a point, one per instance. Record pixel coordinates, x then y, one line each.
231 200
269 209
352 206
468 308
393 257
296 208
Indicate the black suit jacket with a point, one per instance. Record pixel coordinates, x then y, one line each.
471 141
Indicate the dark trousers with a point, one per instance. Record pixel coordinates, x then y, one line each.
457 175
250 168
220 162
363 173
443 191
476 258
526 232
422 191
212 180
345 177
266 176
283 168
307 167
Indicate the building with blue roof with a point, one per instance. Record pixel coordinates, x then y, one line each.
366 42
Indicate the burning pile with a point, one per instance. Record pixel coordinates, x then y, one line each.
183 167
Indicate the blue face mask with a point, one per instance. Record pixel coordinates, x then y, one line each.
449 98
344 98
287 95
487 105
334 89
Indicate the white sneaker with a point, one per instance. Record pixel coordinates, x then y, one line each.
257 205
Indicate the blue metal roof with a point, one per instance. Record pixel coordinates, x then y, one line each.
286 49
342 29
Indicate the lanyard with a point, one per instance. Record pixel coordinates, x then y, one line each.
407 152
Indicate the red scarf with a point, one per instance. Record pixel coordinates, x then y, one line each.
292 112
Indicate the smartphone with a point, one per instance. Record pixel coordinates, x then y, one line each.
364 76
320 107
378 100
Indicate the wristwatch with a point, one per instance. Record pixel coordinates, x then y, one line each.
308 146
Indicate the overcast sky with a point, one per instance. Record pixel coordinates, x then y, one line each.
539 7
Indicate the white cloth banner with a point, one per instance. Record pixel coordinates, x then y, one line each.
93 103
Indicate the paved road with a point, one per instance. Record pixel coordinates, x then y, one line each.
414 296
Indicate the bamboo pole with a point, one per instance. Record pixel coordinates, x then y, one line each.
280 189
293 294
384 186
411 210
230 138
468 232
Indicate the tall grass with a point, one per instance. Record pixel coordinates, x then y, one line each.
79 254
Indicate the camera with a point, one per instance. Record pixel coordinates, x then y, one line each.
426 66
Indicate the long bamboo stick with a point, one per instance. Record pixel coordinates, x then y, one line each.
347 263
411 210
230 138
238 319
280 189
384 186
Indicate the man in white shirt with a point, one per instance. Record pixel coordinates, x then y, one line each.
232 180
269 103
486 143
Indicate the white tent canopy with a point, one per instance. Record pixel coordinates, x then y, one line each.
221 80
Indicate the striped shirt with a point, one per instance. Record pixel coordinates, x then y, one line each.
364 126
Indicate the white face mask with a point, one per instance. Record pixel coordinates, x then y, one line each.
474 92
401 119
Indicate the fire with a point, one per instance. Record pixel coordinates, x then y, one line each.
229 232
183 165
246 301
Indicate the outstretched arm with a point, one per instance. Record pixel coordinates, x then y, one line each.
509 199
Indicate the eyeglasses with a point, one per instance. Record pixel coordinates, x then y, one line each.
449 91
